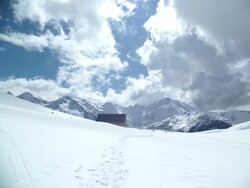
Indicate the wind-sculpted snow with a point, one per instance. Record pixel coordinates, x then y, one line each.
43 148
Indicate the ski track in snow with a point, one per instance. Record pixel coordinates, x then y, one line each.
13 163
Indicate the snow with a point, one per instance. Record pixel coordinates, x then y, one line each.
233 116
144 116
42 148
242 126
189 122
156 114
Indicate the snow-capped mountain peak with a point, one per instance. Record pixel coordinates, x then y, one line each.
74 106
178 106
163 109
29 97
191 122
164 114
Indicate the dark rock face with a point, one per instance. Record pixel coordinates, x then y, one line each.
9 93
192 122
209 125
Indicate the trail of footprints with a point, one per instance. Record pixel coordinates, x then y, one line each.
110 172
78 170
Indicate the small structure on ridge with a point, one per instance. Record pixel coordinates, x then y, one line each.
116 119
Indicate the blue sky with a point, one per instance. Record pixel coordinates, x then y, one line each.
19 62
29 64
127 51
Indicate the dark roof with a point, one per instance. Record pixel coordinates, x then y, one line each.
112 118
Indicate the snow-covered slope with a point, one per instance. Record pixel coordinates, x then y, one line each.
141 116
42 148
190 122
242 126
29 97
82 108
137 115
69 105
232 116
163 109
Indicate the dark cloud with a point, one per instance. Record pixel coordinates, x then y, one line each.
211 92
226 21
193 66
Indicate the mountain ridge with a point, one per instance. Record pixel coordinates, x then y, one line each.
164 114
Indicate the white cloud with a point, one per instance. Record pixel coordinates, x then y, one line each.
139 90
87 51
47 89
198 51
198 63
91 14
38 86
29 42
165 24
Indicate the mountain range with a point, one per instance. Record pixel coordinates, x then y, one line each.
165 114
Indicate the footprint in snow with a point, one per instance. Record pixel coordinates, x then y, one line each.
78 177
79 168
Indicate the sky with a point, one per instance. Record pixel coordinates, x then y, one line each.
128 51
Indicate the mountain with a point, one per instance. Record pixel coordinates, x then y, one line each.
163 109
134 114
67 104
191 122
231 116
29 97
141 116
109 108
82 108
138 116
165 114
79 107
9 93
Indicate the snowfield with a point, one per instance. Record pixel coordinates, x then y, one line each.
42 148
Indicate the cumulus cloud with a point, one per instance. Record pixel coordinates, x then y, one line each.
198 51
139 90
225 23
38 86
201 51
83 41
